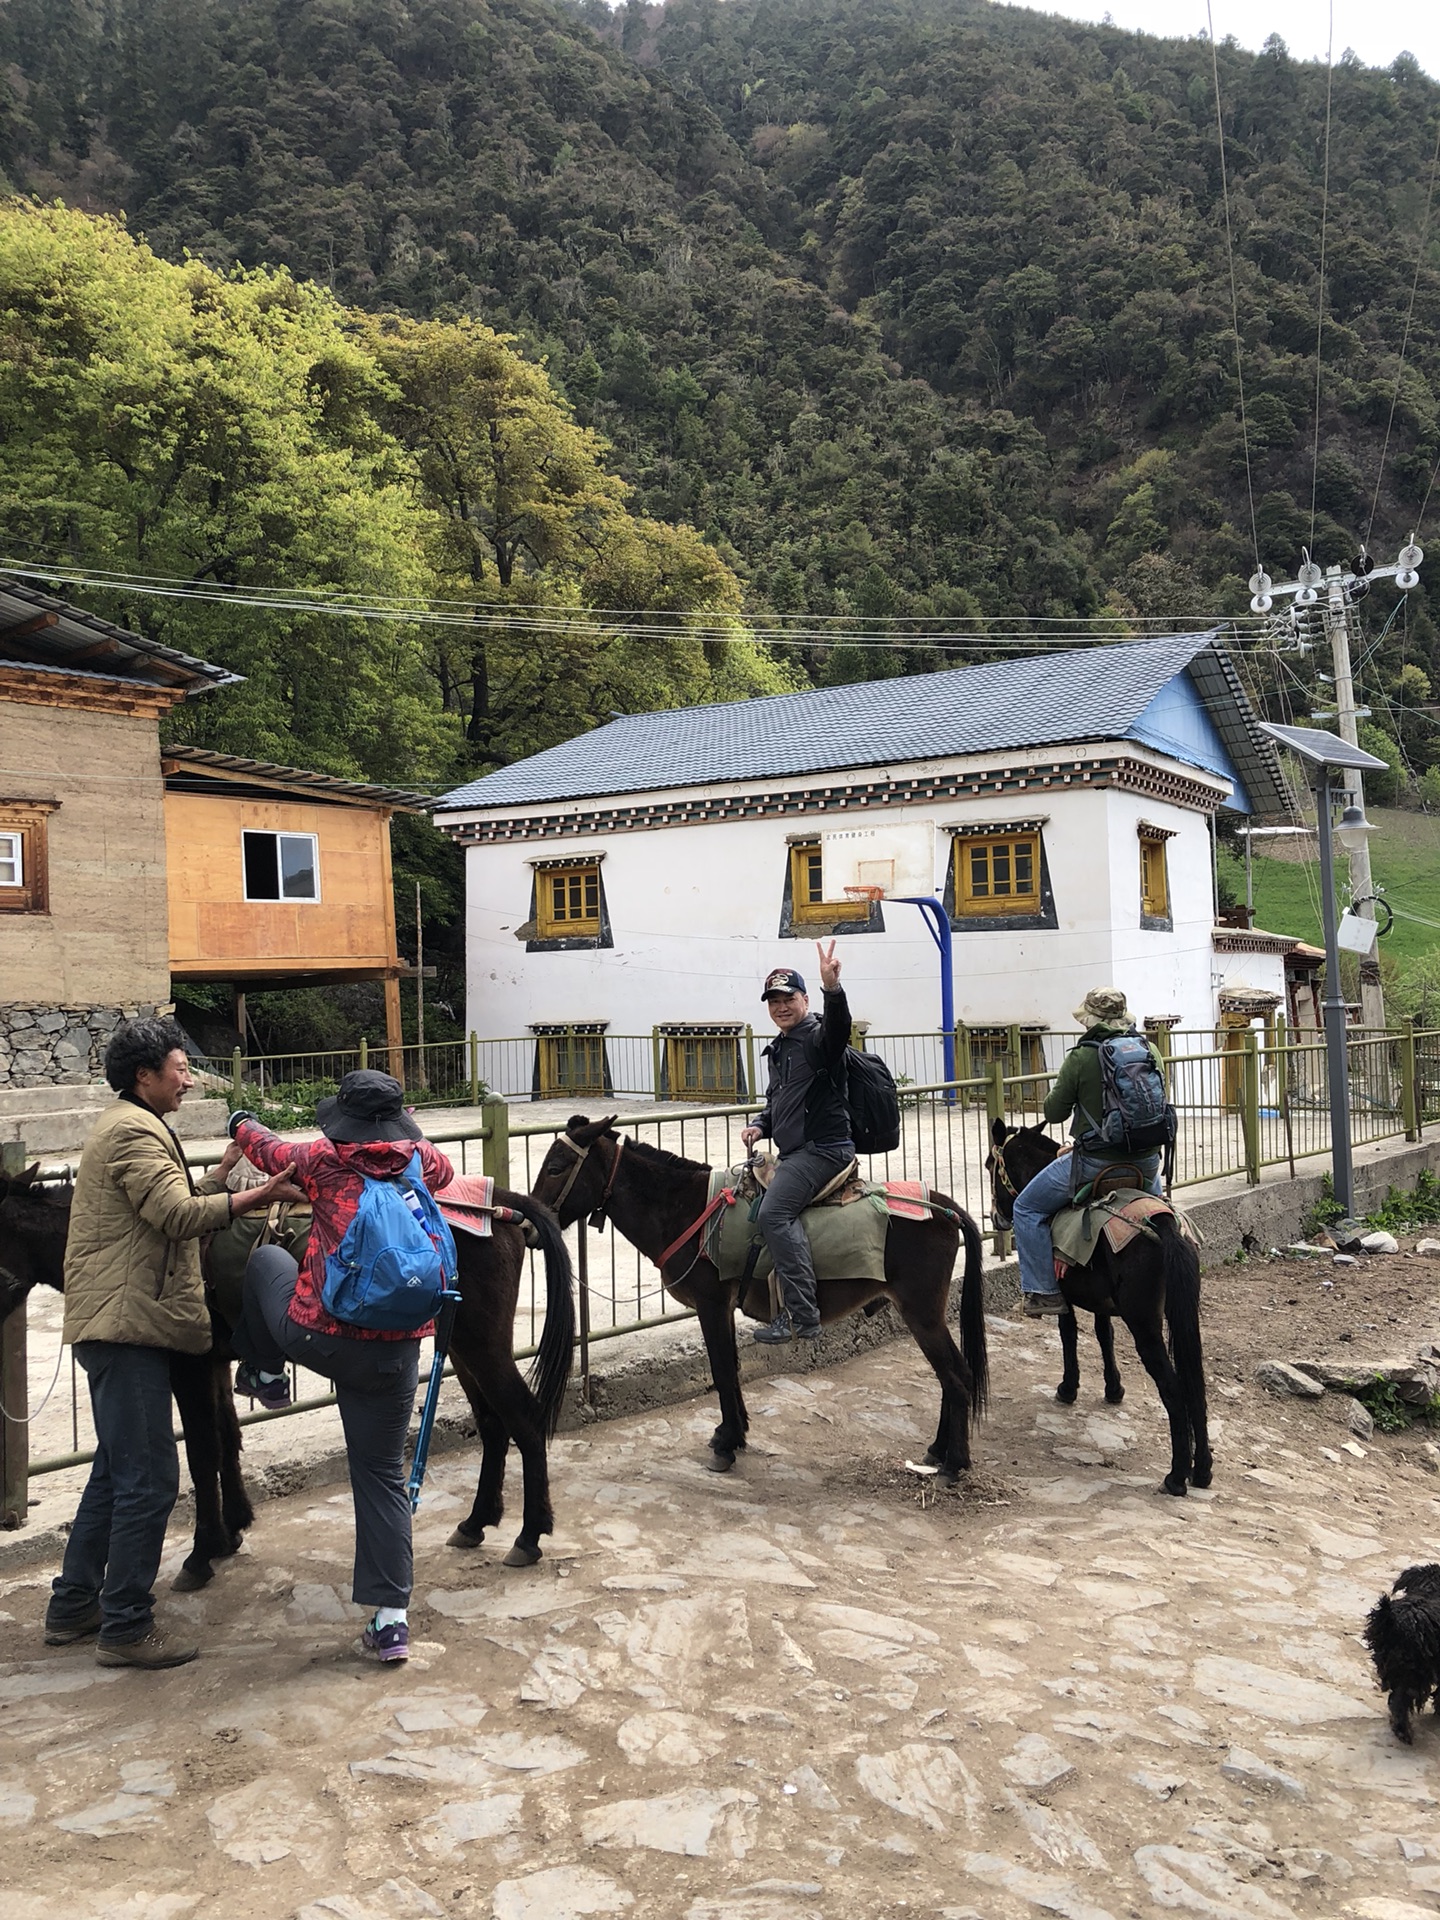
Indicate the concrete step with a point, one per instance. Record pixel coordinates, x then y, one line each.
23 1101
57 1132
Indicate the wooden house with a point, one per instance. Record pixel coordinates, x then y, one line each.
278 877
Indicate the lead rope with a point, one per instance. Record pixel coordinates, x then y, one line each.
24 1419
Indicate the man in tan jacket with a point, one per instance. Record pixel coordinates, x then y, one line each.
134 1295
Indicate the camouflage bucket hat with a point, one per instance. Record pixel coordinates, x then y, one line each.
1104 1007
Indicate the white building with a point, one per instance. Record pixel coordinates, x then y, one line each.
641 879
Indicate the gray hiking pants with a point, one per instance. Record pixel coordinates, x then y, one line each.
798 1178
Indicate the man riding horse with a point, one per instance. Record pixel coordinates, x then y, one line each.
1079 1091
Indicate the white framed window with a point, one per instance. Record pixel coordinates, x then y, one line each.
281 866
12 859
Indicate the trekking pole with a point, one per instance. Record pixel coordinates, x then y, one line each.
444 1323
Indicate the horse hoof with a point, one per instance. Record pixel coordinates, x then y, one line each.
521 1556
1202 1476
1067 1396
948 1477
934 1459
191 1579
1177 1487
720 1462
460 1538
1114 1395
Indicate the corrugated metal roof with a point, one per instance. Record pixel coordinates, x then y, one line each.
36 629
199 765
1092 693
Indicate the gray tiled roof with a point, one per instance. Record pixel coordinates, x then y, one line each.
1037 701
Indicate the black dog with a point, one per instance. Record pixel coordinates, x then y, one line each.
1403 1635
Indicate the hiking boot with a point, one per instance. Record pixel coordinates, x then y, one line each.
777 1334
64 1633
152 1650
385 1643
273 1395
1040 1306
808 1333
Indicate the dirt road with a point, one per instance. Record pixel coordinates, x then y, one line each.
813 1688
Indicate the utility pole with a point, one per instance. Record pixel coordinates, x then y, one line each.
1342 588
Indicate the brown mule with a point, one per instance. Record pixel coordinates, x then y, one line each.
653 1197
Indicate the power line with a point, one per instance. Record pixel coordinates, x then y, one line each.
1320 297
1234 291
1405 338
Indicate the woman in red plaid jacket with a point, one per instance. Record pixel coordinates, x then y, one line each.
367 1134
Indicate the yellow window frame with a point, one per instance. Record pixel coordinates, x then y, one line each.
703 1066
572 1063
567 900
996 875
807 905
1154 877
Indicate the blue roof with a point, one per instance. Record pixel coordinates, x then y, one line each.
1091 693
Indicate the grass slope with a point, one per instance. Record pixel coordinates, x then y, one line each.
1405 858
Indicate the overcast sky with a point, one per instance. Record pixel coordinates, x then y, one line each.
1376 29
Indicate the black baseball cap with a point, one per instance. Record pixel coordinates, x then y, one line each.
369 1106
783 980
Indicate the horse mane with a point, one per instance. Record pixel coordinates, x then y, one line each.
662 1159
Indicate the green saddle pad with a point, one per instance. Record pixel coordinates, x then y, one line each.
1075 1231
846 1243
229 1250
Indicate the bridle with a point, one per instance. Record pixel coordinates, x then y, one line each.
582 1154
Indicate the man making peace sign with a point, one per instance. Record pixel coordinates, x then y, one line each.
808 1118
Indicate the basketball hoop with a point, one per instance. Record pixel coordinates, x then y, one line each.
870 895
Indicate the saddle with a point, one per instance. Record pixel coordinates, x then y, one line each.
1116 1205
847 1186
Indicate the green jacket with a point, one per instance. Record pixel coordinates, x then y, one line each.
1079 1089
132 1259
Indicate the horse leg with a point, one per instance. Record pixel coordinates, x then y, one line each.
715 1310
1069 1388
237 1514
518 1411
489 1505
192 1382
951 1452
1105 1339
1143 1320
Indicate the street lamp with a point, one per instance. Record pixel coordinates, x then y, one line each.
1323 754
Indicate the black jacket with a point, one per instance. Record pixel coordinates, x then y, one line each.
805 1103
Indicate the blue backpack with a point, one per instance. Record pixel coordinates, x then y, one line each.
1137 1115
397 1257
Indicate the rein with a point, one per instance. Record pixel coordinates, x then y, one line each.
725 1198
582 1154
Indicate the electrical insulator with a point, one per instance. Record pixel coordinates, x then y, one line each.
1309 575
1410 556
1260 582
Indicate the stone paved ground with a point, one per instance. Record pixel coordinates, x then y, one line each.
813 1688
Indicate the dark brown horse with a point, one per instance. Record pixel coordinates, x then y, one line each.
653 1196
35 1220
1152 1284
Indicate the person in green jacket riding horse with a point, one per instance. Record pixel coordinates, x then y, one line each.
1078 1091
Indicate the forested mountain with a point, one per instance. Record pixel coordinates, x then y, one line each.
913 306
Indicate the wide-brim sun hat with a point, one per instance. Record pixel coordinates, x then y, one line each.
369 1106
1103 1007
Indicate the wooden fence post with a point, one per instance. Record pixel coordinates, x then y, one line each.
495 1148
14 1392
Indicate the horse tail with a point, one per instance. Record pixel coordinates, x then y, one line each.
555 1355
972 1315
1180 1267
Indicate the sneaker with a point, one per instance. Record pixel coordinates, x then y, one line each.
152 1650
808 1333
64 1633
272 1394
777 1334
1040 1306
385 1643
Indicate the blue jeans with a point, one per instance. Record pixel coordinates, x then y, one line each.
118 1534
1046 1194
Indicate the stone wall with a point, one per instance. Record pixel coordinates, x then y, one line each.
47 1045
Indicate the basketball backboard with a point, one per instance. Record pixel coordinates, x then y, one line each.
898 857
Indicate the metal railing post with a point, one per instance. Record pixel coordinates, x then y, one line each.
237 1076
364 1053
495 1148
14 1391
474 1068
582 1283
1250 1106
655 1045
752 1092
1409 1104
1282 1086
994 1093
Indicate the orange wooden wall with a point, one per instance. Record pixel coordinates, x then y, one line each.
213 928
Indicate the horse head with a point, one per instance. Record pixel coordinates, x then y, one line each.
575 1175
1016 1155
34 1222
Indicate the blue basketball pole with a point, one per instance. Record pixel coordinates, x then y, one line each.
938 922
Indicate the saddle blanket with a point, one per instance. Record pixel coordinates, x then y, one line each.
1119 1216
468 1190
847 1242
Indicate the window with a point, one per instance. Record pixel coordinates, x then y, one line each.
23 866
809 907
1154 879
281 866
1019 1049
568 900
570 1060
702 1063
999 876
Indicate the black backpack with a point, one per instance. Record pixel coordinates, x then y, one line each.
874 1103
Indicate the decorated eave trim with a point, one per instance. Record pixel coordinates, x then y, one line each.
702 1030
987 829
1121 771
1251 940
577 859
558 1029
1148 830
